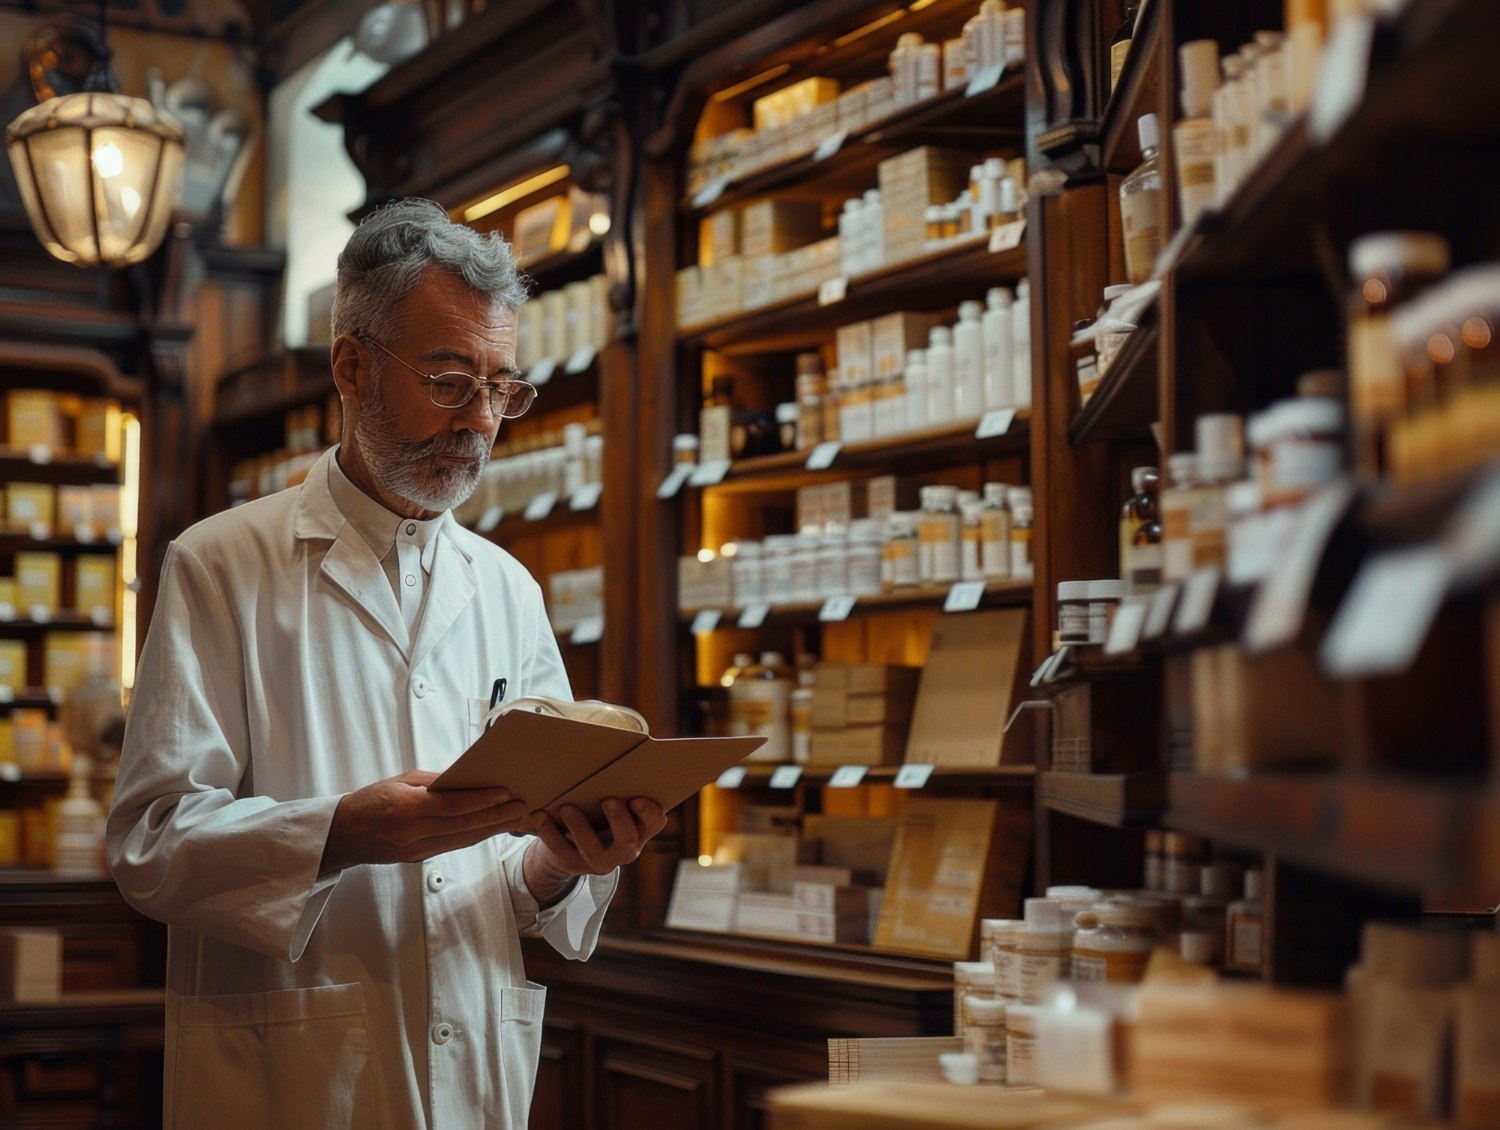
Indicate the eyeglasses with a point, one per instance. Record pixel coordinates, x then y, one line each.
508 398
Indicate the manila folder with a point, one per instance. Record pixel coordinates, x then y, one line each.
549 762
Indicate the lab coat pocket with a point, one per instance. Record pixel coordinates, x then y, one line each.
520 1045
299 1057
478 708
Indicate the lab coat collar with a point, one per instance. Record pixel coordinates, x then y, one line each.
449 589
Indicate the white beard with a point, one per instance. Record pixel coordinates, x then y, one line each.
410 469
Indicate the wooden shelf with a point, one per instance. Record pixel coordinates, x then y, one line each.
14 541
1116 799
1124 406
1000 594
1135 94
29 698
758 775
990 119
563 267
565 390
274 386
944 445
64 620
936 281
18 465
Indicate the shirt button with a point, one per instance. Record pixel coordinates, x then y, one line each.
435 881
418 687
410 580
410 529
442 1032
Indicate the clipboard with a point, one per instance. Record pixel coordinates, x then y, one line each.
549 762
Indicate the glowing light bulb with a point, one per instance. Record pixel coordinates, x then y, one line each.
599 223
705 860
130 200
108 160
705 555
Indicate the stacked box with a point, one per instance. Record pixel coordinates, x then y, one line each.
909 183
833 504
13 664
106 509
791 102
719 236
29 505
97 433
30 964
689 297
770 227
885 494
34 417
94 587
861 713
765 280
703 897
704 584
576 595
38 584
855 346
891 335
724 288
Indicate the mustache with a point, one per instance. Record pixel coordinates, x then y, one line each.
466 444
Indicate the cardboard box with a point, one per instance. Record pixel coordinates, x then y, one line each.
98 433
724 288
554 306
885 494
909 183
791 102
29 505
859 745
65 661
834 708
769 227
30 964
38 585
867 678
891 335
976 666
94 586
689 298
954 862
704 584
763 280
820 875
854 345
831 929
34 417
1259 711
722 229
13 664
772 914
75 511
703 897
766 860
860 843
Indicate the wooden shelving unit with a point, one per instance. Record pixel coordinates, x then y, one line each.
999 594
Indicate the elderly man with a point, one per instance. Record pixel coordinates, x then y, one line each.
344 945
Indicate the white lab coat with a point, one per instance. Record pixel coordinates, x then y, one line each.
274 680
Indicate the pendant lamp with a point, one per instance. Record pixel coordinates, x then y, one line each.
99 174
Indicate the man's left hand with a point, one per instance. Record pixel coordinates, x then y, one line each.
571 846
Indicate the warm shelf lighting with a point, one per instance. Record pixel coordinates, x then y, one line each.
749 84
705 555
515 192
599 223
873 25
99 175
705 861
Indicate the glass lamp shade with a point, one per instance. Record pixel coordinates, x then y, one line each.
99 175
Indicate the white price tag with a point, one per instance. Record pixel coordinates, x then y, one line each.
913 776
983 80
964 596
1197 602
710 192
489 519
7 694
1281 601
732 778
586 497
707 474
673 482
832 290
580 361
542 371
9 771
995 422
847 776
39 531
1007 237
786 776
706 620
821 457
587 631
39 453
1341 76
101 615
1385 618
836 608
1159 613
540 506
7 613
830 145
40 614
753 616
83 533
1125 632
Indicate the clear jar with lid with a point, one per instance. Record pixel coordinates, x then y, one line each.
1304 449
1387 269
1041 951
786 425
994 534
984 1036
1243 929
939 537
1072 613
1020 1042
1206 914
1113 942
1176 503
994 940
747 573
1183 857
685 449
804 567
970 566
833 563
1104 602
777 566
866 547
971 979
1155 861
899 559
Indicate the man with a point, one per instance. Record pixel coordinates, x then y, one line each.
346 953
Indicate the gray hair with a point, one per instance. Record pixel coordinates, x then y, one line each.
384 259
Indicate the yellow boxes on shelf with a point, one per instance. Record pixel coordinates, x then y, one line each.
30 507
770 227
34 418
94 587
73 658
98 434
10 820
13 665
38 585
891 335
106 510
719 236
911 181
75 512
789 103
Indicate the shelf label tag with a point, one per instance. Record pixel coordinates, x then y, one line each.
1125 632
7 613
832 290
707 474
753 616
836 608
786 776
590 630
1281 600
1341 76
710 192
1007 237
7 694
674 480
1197 602
847 776
542 371
580 361
39 531
995 422
101 616
40 614
1385 618
964 596
83 533
830 145
1159 614
913 776
987 79
489 519
10 771
101 460
706 620
585 497
732 778
39 453
821 457
540 506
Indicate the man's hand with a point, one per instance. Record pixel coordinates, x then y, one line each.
399 821
576 848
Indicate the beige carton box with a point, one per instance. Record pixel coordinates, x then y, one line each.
30 965
65 661
690 297
34 417
107 510
976 665
38 585
75 512
13 664
94 587
97 434
911 181
891 335
724 288
722 232
771 227
30 506
855 346
763 280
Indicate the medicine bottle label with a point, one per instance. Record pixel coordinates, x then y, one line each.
986 1043
1140 212
1037 974
1086 968
1121 966
1020 1058
1247 943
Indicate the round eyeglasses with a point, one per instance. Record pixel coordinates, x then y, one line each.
508 398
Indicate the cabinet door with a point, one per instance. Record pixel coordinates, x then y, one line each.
751 1081
557 1103
640 1082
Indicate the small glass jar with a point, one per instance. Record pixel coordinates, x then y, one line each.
1304 449
778 568
971 979
833 564
939 537
1072 613
685 449
865 556
1243 929
1104 602
787 416
994 534
899 559
971 557
747 573
1183 858
1114 942
984 1036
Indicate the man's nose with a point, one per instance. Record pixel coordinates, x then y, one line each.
477 415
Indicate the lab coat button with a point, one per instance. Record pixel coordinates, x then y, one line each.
435 881
418 688
410 529
410 580
442 1033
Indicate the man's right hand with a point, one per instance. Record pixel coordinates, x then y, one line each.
399 821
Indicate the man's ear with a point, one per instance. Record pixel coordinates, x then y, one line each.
351 365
